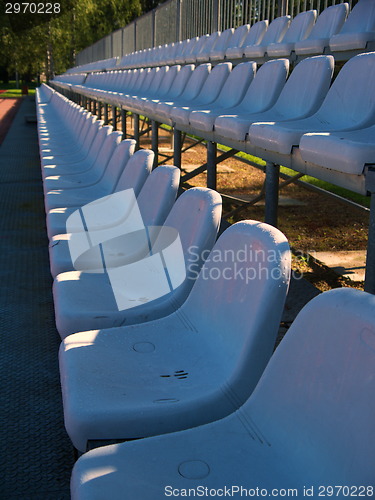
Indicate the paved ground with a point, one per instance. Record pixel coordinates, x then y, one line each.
350 263
37 457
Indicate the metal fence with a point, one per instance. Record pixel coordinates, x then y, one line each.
177 20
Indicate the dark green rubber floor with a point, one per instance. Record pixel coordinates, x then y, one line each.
36 456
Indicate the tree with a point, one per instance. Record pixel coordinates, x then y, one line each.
148 5
37 43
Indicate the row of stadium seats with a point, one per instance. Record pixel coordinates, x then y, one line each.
307 34
228 105
144 364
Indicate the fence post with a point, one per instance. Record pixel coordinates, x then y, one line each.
135 36
153 29
178 21
282 8
216 16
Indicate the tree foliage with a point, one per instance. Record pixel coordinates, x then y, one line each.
40 43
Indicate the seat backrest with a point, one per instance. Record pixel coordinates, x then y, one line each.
236 84
171 52
120 157
266 86
124 79
100 137
256 34
300 27
168 78
158 195
179 84
214 83
174 50
276 30
196 216
239 36
223 40
157 80
330 21
361 19
186 49
136 171
147 82
306 87
196 81
239 296
318 389
196 48
193 223
206 48
93 126
351 99
136 83
106 151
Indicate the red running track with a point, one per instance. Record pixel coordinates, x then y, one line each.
8 110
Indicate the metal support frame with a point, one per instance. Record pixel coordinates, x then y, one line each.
155 141
178 151
211 164
123 123
271 186
136 130
203 168
114 117
177 147
246 204
105 105
272 193
370 258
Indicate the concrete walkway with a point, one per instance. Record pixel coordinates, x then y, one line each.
349 263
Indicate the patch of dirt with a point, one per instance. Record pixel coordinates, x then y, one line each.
312 222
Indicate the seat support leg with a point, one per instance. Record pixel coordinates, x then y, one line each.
272 193
136 130
370 258
114 117
99 110
155 141
123 123
105 113
211 164
177 146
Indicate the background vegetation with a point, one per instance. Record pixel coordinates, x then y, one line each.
42 44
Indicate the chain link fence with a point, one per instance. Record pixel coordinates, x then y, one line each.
177 20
